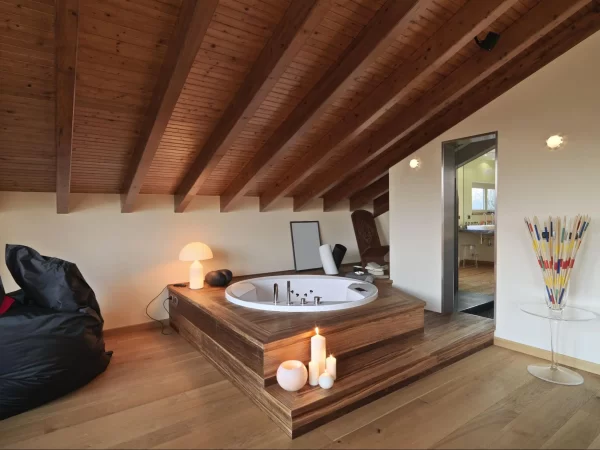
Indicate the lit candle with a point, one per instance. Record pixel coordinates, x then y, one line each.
317 350
313 373
330 366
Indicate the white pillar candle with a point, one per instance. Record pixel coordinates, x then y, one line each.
313 373
330 366
317 350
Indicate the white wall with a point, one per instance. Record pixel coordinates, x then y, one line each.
563 98
129 258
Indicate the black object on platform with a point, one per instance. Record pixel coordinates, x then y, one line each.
339 251
218 278
227 273
51 340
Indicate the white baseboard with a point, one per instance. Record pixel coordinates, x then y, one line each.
545 354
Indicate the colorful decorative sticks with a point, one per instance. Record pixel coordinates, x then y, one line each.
556 245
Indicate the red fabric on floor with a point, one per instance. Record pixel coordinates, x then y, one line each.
6 304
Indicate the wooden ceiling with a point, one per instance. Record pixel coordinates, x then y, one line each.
268 98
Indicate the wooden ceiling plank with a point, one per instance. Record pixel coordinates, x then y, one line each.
368 194
67 25
381 204
190 29
508 77
373 41
526 31
473 18
298 23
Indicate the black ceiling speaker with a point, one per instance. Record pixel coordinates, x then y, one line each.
489 42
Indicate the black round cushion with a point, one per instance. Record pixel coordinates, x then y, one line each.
216 278
227 273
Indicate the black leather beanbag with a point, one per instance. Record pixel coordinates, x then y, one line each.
51 340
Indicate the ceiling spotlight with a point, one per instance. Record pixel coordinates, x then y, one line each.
414 163
554 142
489 42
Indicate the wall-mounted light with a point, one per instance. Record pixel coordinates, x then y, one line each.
414 163
554 142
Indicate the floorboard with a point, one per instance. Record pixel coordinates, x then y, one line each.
159 392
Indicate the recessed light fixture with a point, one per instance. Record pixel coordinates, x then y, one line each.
414 163
555 141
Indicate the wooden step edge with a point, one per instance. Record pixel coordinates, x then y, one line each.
377 372
270 381
313 419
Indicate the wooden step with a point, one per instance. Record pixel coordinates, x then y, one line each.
371 374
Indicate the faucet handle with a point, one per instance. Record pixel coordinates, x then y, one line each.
317 300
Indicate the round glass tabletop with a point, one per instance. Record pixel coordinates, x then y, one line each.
569 313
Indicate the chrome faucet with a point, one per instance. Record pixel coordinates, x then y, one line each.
275 293
317 300
289 295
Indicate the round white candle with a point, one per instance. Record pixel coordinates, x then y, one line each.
330 366
317 350
326 380
313 373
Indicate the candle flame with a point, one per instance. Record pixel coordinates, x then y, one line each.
331 355
317 330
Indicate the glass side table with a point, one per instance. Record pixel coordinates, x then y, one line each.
553 372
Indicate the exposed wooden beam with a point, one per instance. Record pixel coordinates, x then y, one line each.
192 23
508 77
381 204
66 31
531 27
475 17
375 39
297 25
368 194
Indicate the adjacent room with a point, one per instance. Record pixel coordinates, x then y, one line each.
299 224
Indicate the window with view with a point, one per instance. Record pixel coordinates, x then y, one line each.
483 197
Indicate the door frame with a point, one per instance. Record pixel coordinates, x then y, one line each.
450 163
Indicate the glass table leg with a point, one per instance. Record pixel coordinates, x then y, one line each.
555 373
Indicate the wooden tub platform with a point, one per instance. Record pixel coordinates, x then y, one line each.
379 347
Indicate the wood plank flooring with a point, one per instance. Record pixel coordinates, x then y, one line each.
480 279
160 392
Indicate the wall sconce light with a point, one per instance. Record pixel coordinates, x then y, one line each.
555 142
414 163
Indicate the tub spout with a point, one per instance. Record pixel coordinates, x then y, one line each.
275 293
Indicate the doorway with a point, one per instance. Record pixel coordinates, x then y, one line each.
469 229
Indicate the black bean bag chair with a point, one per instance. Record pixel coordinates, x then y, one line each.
51 339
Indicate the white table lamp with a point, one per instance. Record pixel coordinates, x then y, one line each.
196 252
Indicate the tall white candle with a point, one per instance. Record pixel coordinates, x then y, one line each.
317 350
313 373
330 366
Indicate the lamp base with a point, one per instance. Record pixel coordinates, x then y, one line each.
196 275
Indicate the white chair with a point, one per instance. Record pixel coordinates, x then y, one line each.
469 250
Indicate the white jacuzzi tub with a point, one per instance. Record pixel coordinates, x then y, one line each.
336 293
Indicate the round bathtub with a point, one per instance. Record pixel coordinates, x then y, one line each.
335 293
